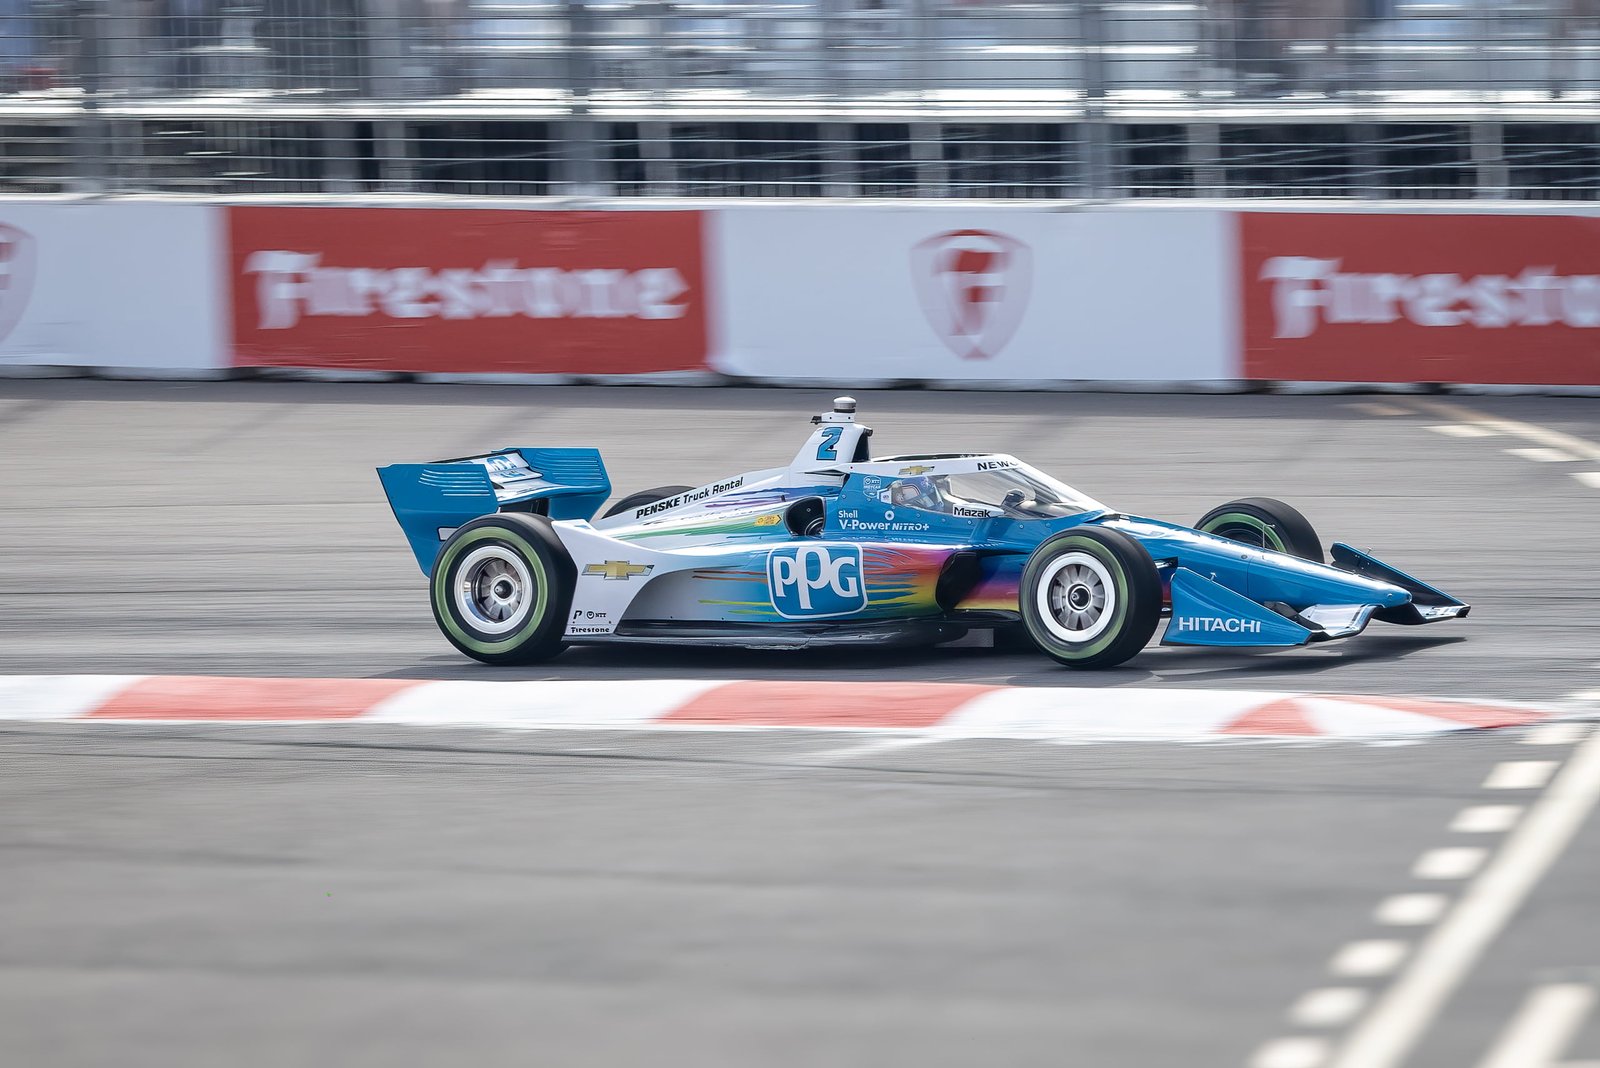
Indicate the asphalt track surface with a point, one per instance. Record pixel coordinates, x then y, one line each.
365 895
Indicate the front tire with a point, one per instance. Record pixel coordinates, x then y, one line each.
501 589
1265 523
1090 598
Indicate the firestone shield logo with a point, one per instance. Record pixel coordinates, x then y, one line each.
974 287
18 260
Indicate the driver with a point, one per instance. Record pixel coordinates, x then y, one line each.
918 492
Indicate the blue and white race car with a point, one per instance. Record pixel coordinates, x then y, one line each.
838 547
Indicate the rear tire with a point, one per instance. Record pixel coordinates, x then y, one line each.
1090 598
1265 523
642 498
502 587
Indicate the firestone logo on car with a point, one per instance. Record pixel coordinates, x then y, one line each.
974 287
18 262
291 285
1308 292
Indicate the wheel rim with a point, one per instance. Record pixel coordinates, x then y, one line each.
494 590
1247 530
1243 535
1077 597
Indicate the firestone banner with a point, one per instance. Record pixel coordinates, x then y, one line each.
846 293
1348 297
467 290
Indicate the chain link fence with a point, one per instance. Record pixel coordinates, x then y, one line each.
804 98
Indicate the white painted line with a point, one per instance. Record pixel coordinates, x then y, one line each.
1292 1053
1539 454
1588 478
1387 1034
1543 1028
1585 695
1369 959
1520 775
872 748
1411 910
1332 1006
1539 435
1457 862
1555 734
1486 819
1378 408
1464 430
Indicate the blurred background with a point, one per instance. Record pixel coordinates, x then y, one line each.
804 98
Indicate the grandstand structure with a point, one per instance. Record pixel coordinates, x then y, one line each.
972 99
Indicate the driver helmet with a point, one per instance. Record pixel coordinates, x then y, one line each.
918 492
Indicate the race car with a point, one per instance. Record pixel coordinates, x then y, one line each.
839 547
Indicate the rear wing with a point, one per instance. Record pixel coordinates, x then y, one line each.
431 500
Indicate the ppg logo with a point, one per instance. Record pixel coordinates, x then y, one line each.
816 580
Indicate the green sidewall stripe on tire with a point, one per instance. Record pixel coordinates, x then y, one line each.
1268 534
442 582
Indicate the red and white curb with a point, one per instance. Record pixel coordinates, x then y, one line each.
954 710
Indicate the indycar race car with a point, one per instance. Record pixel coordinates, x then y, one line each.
841 548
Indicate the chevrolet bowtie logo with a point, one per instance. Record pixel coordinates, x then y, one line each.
618 569
915 469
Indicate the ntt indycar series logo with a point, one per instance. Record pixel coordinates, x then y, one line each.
813 581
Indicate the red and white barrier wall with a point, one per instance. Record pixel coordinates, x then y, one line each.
824 293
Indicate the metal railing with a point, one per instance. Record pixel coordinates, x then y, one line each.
870 98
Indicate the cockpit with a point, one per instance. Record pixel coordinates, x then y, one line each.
1008 488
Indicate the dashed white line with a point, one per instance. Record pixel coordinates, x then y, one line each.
1542 1028
1368 959
1387 1034
1486 819
1520 775
1454 862
1464 430
1379 408
1588 478
1540 454
1411 910
1292 1053
1486 426
1555 733
1332 1006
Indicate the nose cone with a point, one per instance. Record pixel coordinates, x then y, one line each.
1275 577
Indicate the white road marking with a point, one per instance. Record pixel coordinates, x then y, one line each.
1378 408
1542 1028
1292 1053
1487 424
1332 1006
1369 959
1386 1035
1520 775
1486 819
874 747
1456 862
1588 478
1555 734
1411 910
1543 455
1585 695
1464 430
